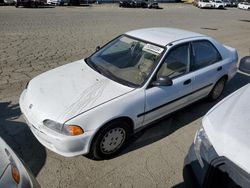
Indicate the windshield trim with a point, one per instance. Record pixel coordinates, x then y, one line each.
109 75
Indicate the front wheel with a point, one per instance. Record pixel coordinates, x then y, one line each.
217 90
111 140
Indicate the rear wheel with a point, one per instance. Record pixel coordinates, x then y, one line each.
111 139
217 90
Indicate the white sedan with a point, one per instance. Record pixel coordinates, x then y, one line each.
204 4
219 156
244 5
55 2
8 2
95 104
218 4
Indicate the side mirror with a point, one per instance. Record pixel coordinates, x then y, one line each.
97 48
244 65
163 81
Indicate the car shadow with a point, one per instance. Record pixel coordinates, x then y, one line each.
180 185
19 137
179 119
38 7
81 5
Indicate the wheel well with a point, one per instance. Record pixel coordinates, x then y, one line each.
224 76
126 119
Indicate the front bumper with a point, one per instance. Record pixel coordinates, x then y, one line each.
64 145
206 6
219 6
192 170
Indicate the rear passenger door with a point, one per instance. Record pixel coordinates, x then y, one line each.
206 66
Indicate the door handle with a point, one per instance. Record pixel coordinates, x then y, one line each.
187 82
219 68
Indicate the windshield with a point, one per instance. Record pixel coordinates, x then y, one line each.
126 60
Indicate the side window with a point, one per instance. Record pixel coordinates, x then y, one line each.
204 54
176 62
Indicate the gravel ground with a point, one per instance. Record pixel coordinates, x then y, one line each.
35 40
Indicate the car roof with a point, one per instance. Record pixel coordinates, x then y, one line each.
162 36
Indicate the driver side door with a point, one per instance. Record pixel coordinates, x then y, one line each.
162 100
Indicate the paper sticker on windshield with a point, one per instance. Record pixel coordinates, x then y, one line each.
153 48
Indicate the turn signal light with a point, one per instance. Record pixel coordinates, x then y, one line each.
74 130
15 174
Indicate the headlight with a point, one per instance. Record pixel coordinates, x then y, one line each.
53 125
72 130
204 150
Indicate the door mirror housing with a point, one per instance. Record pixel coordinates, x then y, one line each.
97 48
163 81
244 66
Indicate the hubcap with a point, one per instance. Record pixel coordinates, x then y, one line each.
218 89
112 140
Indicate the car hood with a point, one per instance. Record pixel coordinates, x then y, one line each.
69 90
228 129
4 158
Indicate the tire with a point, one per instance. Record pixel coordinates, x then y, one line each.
110 140
217 90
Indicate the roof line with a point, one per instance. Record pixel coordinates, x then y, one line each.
185 39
